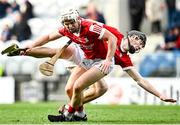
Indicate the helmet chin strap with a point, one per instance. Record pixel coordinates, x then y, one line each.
132 50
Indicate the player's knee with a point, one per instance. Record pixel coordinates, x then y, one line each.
77 89
68 90
52 52
101 90
67 53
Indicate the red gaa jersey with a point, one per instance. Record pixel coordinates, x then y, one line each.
90 41
121 58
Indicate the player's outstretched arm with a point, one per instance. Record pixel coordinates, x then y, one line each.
112 42
146 85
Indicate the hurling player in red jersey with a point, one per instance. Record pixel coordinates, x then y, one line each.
98 43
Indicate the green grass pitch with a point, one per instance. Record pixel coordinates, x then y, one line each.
25 113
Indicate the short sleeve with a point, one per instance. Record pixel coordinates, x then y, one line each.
97 30
61 30
124 61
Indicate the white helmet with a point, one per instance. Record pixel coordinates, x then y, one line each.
69 14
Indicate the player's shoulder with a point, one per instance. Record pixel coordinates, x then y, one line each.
92 26
89 22
61 28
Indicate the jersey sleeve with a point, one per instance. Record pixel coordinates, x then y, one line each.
124 61
61 30
96 31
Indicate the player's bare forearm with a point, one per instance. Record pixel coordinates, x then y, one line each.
148 87
142 82
112 44
111 51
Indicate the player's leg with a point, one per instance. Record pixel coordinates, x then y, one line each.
85 80
90 94
40 52
88 78
77 71
94 91
69 87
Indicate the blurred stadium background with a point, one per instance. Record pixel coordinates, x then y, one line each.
21 81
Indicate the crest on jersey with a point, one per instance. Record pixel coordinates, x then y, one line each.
82 40
86 40
96 29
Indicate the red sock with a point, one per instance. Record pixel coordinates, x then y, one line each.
79 108
71 109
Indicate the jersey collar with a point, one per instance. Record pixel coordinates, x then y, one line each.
121 46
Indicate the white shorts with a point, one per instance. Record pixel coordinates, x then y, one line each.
88 63
78 58
78 55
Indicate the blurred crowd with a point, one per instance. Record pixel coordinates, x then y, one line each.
164 62
93 13
16 17
154 10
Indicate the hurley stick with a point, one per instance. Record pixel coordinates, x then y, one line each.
47 67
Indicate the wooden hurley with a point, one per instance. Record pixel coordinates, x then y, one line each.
47 67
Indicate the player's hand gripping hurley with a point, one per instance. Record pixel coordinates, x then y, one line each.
47 67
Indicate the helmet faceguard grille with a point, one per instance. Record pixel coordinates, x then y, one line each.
69 14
